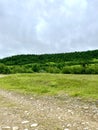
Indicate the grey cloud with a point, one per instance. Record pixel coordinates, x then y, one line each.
47 26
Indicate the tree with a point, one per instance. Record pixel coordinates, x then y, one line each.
4 69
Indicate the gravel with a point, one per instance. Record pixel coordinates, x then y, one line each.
22 112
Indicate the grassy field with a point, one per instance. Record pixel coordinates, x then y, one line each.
85 86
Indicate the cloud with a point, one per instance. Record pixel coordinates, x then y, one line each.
47 26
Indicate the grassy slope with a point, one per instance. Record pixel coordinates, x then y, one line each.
85 86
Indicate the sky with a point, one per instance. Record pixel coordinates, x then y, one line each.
47 26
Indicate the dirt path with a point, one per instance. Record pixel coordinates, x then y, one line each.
20 112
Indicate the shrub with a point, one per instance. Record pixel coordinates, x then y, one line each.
4 69
53 70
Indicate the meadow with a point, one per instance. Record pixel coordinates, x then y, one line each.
83 86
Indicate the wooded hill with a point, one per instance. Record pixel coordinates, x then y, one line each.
74 62
56 58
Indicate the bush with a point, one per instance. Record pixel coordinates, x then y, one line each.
53 70
77 69
36 68
92 69
4 69
66 70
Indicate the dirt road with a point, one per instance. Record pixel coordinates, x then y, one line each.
22 112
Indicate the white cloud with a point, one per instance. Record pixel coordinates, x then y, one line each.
47 26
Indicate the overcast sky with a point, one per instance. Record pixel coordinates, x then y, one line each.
47 26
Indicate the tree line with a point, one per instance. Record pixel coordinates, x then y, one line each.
67 63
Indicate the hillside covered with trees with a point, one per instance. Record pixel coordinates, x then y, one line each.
74 62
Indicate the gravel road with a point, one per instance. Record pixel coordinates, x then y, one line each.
22 112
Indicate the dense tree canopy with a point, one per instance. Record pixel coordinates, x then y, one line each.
74 62
57 58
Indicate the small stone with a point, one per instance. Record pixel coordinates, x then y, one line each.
71 112
15 128
66 129
59 117
87 123
83 123
6 128
68 125
25 122
34 125
75 124
27 113
86 108
86 128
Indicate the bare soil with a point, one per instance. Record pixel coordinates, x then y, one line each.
26 112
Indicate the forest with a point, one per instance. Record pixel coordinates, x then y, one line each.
85 62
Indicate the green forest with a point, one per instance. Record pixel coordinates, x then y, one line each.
85 62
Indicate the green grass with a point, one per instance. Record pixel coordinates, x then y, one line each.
85 86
